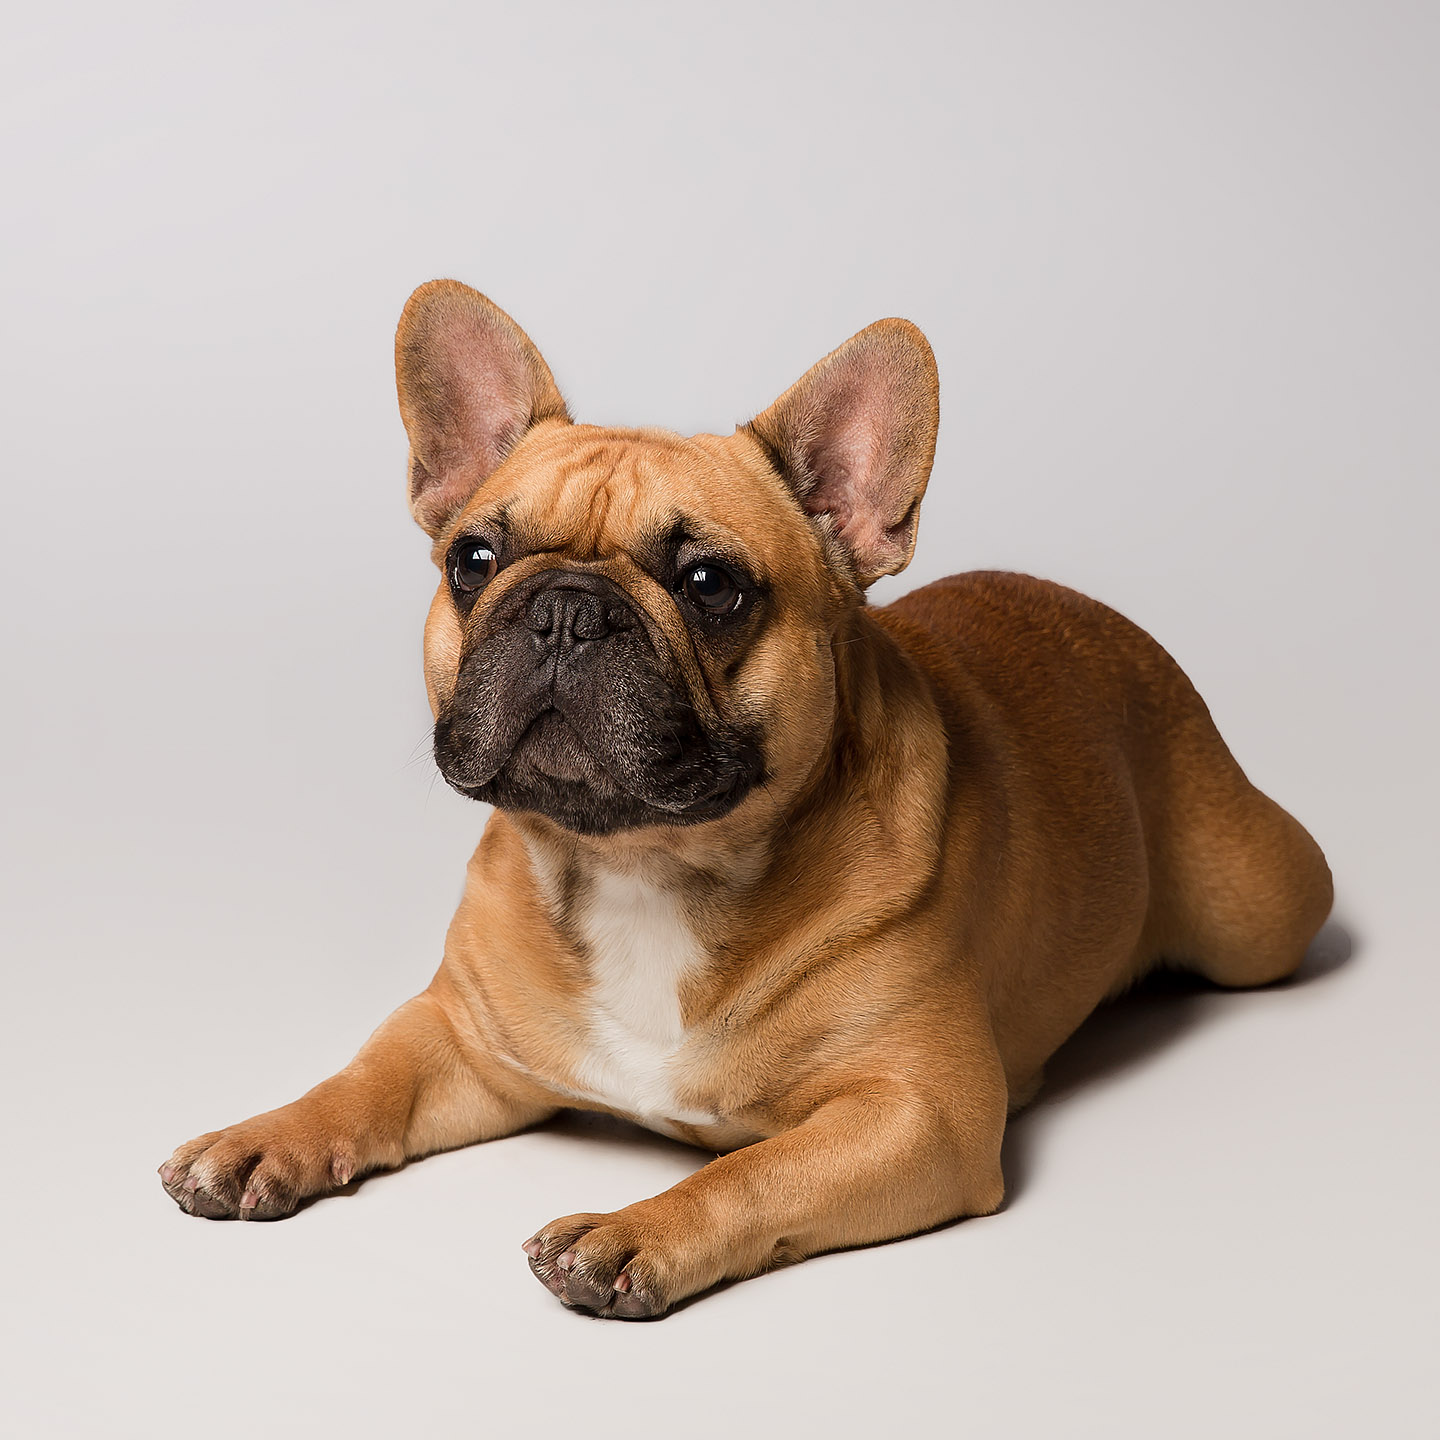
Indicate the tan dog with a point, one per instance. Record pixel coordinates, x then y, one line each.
815 885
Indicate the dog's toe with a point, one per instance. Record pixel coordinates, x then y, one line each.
596 1266
259 1170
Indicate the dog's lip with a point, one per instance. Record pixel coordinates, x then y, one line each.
476 792
740 769
553 712
748 776
551 717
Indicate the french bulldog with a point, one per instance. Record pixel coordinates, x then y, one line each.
813 885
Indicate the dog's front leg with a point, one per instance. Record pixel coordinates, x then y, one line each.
414 1088
881 1161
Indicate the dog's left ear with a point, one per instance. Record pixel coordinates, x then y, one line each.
471 384
855 439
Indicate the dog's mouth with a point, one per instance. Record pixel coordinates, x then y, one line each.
551 770
552 747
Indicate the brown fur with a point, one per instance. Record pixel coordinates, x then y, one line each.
987 807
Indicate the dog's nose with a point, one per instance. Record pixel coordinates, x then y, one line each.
566 618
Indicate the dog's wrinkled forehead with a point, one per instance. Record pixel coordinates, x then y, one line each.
587 493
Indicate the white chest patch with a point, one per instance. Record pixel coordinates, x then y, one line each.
640 952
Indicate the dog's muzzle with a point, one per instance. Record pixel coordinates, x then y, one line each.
566 708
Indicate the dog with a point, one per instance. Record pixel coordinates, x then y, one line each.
813 885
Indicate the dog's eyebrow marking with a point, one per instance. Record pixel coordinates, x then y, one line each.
663 544
486 525
658 543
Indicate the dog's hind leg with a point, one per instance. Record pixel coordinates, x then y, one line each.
1241 887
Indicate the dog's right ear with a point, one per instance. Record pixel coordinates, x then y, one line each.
471 384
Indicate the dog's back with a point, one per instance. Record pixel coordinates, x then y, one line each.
1174 857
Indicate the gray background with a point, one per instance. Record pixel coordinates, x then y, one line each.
1178 263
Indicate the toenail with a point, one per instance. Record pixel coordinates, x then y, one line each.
167 1173
566 1260
622 1282
249 1200
532 1249
192 1182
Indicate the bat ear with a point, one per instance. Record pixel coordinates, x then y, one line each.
855 438
470 384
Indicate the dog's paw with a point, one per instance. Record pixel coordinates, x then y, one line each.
604 1264
260 1169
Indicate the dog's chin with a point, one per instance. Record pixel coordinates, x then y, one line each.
550 772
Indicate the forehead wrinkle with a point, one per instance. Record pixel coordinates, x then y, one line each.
614 475
586 495
547 504
600 508
628 487
593 495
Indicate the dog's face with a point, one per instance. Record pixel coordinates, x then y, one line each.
629 625
634 628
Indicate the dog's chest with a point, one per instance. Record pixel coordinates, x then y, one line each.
640 952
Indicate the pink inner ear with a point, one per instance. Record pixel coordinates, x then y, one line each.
849 459
855 438
487 395
475 385
470 384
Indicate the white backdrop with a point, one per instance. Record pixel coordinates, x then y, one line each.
1178 264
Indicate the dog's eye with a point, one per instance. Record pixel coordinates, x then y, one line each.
474 564
711 588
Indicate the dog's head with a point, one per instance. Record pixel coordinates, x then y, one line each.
634 628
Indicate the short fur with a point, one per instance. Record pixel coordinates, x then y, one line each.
812 884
